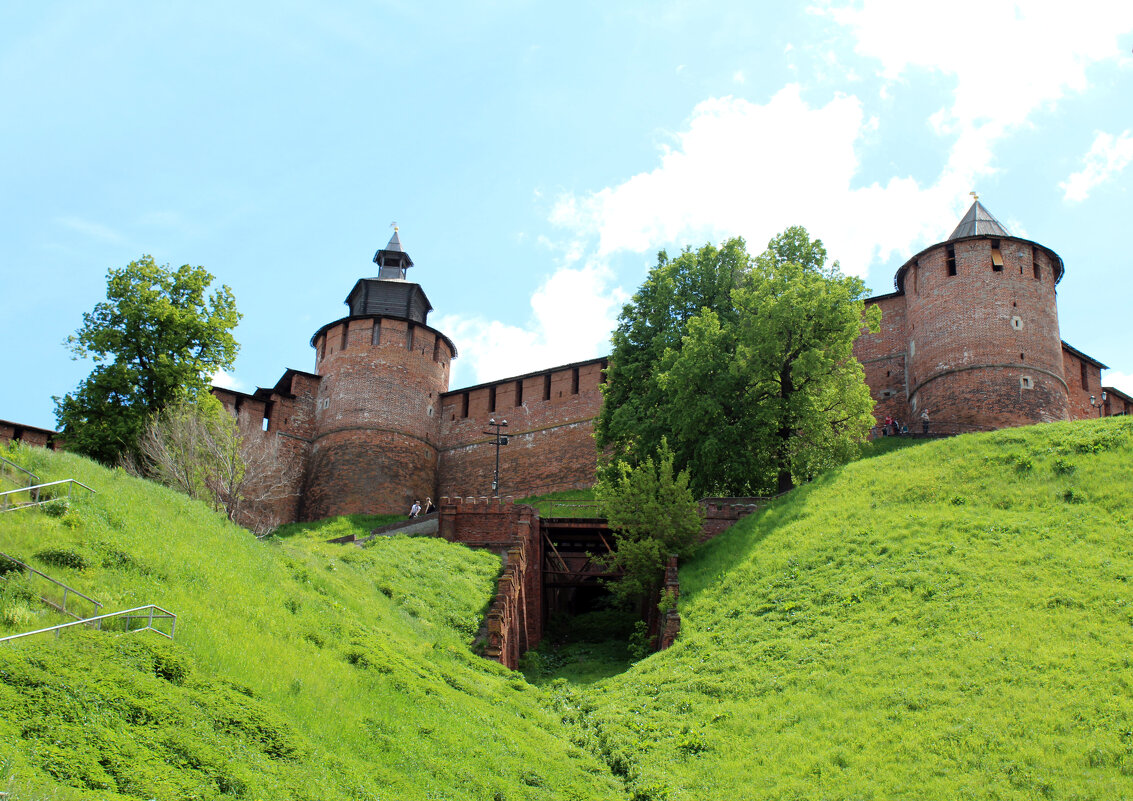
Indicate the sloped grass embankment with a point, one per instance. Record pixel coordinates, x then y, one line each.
300 670
953 620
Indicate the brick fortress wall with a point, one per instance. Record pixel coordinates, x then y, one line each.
882 356
280 424
29 435
550 429
515 619
1083 379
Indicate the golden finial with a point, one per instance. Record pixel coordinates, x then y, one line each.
393 225
974 196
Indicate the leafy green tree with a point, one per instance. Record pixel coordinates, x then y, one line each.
773 392
156 338
656 320
653 514
756 386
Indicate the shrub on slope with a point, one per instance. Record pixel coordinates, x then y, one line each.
948 621
303 670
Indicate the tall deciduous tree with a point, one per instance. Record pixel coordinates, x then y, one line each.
774 392
656 320
156 338
755 390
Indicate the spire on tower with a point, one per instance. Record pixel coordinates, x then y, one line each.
392 260
978 222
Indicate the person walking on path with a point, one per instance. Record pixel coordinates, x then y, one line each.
415 509
429 508
924 421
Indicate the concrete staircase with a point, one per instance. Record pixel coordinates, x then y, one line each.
421 526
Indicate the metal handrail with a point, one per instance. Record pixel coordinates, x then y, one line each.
151 615
66 589
10 463
35 494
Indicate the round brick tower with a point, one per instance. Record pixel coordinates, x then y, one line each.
377 413
984 349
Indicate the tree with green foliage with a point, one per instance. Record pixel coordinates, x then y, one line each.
156 338
753 393
656 320
653 514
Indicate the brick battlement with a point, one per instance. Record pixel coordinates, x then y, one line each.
721 513
506 619
515 621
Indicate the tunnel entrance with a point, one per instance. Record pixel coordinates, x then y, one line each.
572 568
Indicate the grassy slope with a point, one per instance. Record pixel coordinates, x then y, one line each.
300 670
953 620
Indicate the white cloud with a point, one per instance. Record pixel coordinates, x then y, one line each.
91 229
573 313
1118 380
753 170
1009 58
1108 156
750 169
221 378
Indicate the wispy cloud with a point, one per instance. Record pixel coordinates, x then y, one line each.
1108 156
92 229
1119 380
221 378
753 170
572 315
1009 58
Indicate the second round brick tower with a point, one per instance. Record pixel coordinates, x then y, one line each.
983 349
377 414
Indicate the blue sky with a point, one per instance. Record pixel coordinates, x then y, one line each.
537 158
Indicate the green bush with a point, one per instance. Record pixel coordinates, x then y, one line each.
63 557
55 508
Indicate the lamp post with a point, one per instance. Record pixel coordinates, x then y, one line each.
1096 405
499 440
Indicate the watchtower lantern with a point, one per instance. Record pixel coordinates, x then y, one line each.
392 261
390 295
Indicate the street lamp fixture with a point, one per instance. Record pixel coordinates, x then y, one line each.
498 439
1096 405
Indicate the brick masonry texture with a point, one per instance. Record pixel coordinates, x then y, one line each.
377 427
29 435
515 618
550 432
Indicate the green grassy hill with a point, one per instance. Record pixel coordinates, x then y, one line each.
299 670
953 620
950 620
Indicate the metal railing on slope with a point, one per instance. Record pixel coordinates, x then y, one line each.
148 613
7 466
10 500
62 605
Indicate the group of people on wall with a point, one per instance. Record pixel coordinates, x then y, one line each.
893 427
417 509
